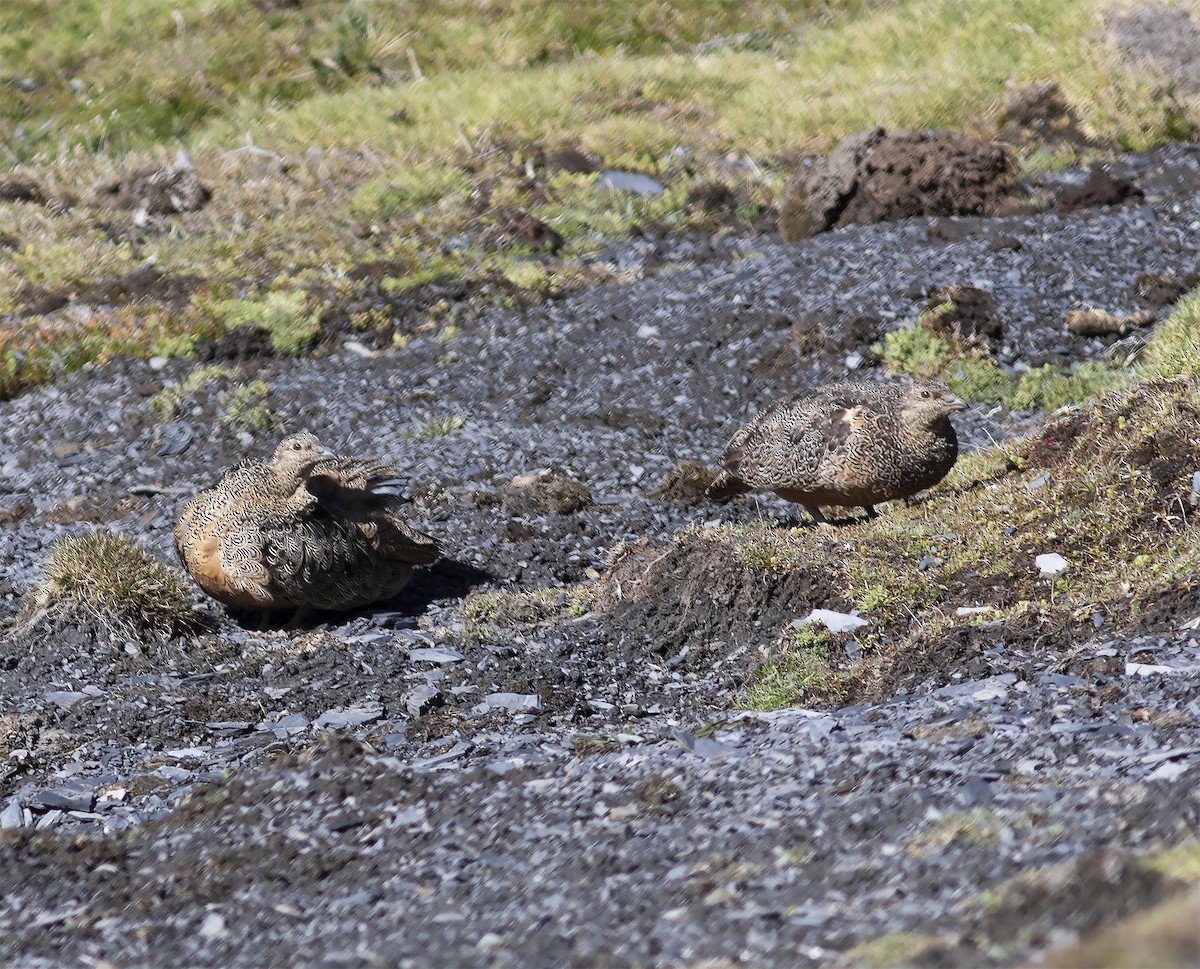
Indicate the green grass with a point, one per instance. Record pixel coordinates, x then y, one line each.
435 427
137 73
338 135
285 314
974 375
240 403
799 669
122 585
1174 349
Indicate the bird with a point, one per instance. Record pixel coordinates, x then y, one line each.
306 529
851 444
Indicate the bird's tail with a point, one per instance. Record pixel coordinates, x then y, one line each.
726 486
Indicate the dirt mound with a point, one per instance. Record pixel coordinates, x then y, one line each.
685 484
17 188
515 227
1100 188
877 176
966 315
543 493
157 190
1153 429
1038 113
695 599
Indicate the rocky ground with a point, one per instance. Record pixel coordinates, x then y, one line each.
472 776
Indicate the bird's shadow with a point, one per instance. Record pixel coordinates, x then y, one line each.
445 579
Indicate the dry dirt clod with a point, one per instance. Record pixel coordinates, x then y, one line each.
543 493
879 176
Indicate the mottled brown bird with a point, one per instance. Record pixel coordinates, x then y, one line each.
846 444
306 528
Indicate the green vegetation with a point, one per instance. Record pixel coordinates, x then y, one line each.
895 949
797 671
490 613
975 376
243 404
1174 349
284 314
1182 862
435 427
970 371
246 406
123 586
376 135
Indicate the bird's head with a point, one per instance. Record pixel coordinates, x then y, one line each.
929 403
298 454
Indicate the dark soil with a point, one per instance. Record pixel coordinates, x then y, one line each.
878 175
154 190
534 755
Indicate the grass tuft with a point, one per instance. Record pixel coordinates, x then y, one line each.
1174 349
123 585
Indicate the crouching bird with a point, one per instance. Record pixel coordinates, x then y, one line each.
851 444
305 529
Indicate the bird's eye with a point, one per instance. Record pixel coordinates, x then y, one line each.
926 394
297 446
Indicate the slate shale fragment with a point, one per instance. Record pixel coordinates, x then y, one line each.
846 444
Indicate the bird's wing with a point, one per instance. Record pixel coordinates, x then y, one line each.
399 542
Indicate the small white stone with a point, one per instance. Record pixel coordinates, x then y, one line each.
213 926
835 622
358 348
1051 563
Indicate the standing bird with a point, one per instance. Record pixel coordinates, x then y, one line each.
847 444
305 529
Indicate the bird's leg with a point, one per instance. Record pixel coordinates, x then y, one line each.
817 515
872 514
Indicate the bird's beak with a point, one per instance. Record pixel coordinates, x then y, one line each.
955 404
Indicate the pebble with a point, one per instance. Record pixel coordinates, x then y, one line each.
619 181
1051 563
835 622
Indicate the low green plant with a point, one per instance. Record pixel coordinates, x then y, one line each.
287 315
1174 349
972 374
1048 389
168 401
798 667
1181 861
245 405
123 585
434 427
